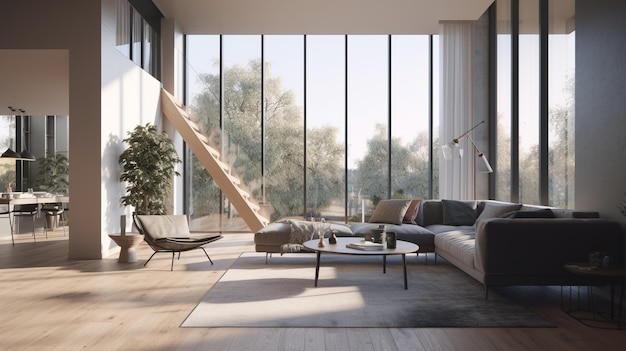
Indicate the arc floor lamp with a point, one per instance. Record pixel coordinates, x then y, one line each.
453 151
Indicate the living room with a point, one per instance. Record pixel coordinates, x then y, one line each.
94 95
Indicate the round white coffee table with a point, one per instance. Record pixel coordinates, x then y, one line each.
402 248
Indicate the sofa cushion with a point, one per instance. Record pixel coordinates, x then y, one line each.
411 212
540 213
390 211
273 234
496 210
458 243
407 232
459 212
442 228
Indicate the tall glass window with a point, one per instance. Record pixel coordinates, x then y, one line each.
283 102
123 32
368 84
325 129
136 39
529 102
410 110
560 75
204 199
137 36
561 70
434 54
503 118
303 119
242 120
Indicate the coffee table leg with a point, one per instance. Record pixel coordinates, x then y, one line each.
404 265
384 264
317 267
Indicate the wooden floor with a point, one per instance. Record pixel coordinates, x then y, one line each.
50 303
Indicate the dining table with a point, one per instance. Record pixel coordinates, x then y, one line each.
28 198
12 199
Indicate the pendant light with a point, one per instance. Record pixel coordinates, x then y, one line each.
25 155
9 153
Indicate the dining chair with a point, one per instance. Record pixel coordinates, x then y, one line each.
55 210
5 212
27 210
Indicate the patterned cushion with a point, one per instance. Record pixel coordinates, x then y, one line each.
390 211
301 231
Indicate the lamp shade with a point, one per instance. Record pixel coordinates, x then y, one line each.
483 165
10 154
27 156
452 150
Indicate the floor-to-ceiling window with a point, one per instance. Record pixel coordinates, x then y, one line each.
529 91
368 102
528 76
327 125
204 202
561 72
504 108
326 129
410 108
283 102
305 122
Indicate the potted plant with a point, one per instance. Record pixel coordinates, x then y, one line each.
148 165
53 177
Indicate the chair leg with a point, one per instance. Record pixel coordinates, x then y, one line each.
172 268
34 235
154 253
11 226
207 255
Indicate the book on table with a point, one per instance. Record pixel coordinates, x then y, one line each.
365 245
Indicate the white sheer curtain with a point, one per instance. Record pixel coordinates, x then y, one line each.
456 177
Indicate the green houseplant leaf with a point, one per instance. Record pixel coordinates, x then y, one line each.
148 165
53 174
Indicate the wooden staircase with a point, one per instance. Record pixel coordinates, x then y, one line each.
209 157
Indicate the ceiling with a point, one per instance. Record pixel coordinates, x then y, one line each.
318 16
38 80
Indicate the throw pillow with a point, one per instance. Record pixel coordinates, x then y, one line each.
390 211
496 210
542 213
411 212
458 212
301 231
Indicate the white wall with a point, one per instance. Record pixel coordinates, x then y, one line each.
130 97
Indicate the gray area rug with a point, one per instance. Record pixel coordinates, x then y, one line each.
352 292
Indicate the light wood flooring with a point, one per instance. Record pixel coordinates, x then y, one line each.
50 303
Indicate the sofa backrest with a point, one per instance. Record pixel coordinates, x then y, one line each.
431 211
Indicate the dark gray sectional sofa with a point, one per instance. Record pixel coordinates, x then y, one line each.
497 243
